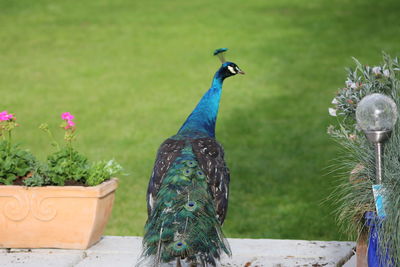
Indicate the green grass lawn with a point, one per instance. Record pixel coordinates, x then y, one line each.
131 71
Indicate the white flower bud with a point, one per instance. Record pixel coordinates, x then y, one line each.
332 112
386 73
334 101
376 70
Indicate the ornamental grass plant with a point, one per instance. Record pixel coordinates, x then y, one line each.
65 166
357 163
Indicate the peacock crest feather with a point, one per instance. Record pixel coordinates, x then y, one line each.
188 191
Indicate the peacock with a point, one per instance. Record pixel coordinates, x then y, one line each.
187 196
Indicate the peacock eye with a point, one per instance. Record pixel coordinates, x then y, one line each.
191 206
191 163
179 246
200 174
187 171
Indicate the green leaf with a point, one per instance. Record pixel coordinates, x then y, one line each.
14 162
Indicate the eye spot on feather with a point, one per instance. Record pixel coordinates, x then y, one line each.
191 206
191 163
179 246
200 174
187 172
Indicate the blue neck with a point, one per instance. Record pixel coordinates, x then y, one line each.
204 116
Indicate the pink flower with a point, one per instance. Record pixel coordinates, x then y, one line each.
70 124
5 116
67 116
2 115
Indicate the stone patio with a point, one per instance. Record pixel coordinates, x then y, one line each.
123 251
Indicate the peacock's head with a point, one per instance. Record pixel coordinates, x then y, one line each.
227 69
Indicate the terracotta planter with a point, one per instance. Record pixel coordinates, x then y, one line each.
71 217
361 252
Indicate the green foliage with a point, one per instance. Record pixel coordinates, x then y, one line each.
364 80
355 195
39 175
67 165
14 162
101 171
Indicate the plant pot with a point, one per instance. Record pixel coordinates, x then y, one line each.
361 251
375 256
69 217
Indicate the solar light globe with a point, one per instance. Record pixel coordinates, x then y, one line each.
376 115
376 112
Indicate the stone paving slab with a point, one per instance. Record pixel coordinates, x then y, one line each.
119 251
41 258
352 262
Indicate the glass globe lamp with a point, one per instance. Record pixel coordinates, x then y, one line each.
376 115
376 112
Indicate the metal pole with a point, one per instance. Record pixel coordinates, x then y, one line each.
378 162
378 138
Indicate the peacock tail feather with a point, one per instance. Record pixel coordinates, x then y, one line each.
184 222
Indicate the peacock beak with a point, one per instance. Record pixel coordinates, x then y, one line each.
240 71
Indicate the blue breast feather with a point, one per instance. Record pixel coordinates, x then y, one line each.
204 116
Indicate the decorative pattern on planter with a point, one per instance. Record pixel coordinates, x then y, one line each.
43 209
16 207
